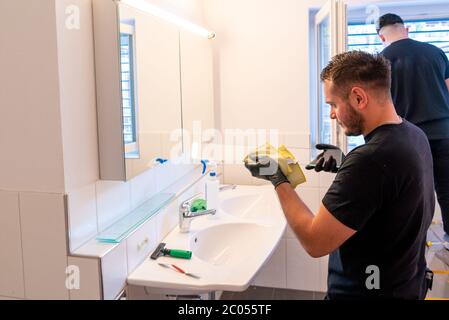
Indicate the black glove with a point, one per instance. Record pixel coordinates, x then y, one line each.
266 168
324 163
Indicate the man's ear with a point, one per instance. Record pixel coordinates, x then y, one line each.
359 98
382 37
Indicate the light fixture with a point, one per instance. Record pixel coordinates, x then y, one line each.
146 7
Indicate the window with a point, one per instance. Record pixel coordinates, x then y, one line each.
329 28
364 37
128 88
325 125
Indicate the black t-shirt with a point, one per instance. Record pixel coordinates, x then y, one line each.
383 190
418 87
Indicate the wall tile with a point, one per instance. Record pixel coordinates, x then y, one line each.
164 176
303 271
143 187
11 274
289 234
312 178
89 279
302 155
295 140
42 217
323 273
311 197
113 201
273 273
323 192
237 174
166 220
30 97
82 214
326 179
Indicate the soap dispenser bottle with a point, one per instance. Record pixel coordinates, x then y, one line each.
212 189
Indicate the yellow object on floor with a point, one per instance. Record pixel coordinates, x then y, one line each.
286 160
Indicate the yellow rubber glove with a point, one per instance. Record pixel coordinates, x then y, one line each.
286 160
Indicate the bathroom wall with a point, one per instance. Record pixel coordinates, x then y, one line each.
32 228
49 134
30 126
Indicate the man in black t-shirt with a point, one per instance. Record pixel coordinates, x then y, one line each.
420 92
374 218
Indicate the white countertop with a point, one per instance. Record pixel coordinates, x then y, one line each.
245 231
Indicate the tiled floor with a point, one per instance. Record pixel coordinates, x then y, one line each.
262 293
438 260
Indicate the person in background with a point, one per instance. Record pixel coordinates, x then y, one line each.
420 92
374 218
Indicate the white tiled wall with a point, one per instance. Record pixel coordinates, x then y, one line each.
323 273
44 245
303 272
237 174
113 202
310 196
167 219
11 277
295 140
89 279
144 187
97 206
82 206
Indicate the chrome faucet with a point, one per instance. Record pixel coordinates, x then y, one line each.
186 215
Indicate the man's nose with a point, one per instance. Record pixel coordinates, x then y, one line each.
333 115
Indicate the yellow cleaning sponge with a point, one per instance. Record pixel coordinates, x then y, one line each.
286 160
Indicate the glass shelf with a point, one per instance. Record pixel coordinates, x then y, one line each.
123 227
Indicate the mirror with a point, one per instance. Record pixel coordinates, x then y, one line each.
198 114
153 79
151 88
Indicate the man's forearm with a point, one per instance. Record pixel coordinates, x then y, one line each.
298 215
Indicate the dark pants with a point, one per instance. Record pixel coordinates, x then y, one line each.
440 154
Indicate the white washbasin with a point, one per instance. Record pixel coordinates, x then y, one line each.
239 204
229 243
228 248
